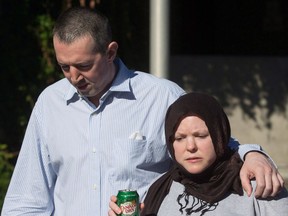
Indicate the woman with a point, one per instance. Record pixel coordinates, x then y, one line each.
205 177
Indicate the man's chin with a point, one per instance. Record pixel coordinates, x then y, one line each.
85 93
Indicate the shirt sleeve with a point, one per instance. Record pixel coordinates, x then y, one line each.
31 186
243 149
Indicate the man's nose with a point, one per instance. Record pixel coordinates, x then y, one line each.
75 75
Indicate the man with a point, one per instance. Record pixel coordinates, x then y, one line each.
100 129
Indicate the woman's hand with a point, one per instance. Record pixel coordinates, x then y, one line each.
115 209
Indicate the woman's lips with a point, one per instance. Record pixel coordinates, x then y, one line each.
193 159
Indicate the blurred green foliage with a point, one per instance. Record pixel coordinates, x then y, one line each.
6 169
43 31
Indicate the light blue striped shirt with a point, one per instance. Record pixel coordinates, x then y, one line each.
74 155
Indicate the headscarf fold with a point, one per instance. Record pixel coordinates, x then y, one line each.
221 178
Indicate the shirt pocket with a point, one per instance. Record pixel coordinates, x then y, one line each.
129 153
135 164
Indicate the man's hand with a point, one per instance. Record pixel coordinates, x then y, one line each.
268 179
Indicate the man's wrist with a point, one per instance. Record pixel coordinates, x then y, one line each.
244 149
264 154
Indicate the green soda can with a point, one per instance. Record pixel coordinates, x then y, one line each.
128 201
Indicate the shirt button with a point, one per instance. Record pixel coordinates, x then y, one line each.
94 186
94 150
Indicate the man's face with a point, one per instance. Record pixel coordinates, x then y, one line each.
88 71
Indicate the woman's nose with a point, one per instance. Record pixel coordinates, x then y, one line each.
191 145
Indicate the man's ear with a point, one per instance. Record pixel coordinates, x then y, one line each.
112 51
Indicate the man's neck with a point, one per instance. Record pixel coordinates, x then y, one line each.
96 99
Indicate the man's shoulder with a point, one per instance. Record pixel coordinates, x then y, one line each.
143 80
59 89
147 79
61 85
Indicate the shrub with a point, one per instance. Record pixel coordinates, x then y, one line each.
6 169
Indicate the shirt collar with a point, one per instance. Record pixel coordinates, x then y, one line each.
122 80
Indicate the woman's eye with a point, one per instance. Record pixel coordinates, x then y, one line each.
202 135
178 138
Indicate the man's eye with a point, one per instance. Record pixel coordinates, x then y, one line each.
65 68
84 67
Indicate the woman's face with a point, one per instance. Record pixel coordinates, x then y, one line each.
193 145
